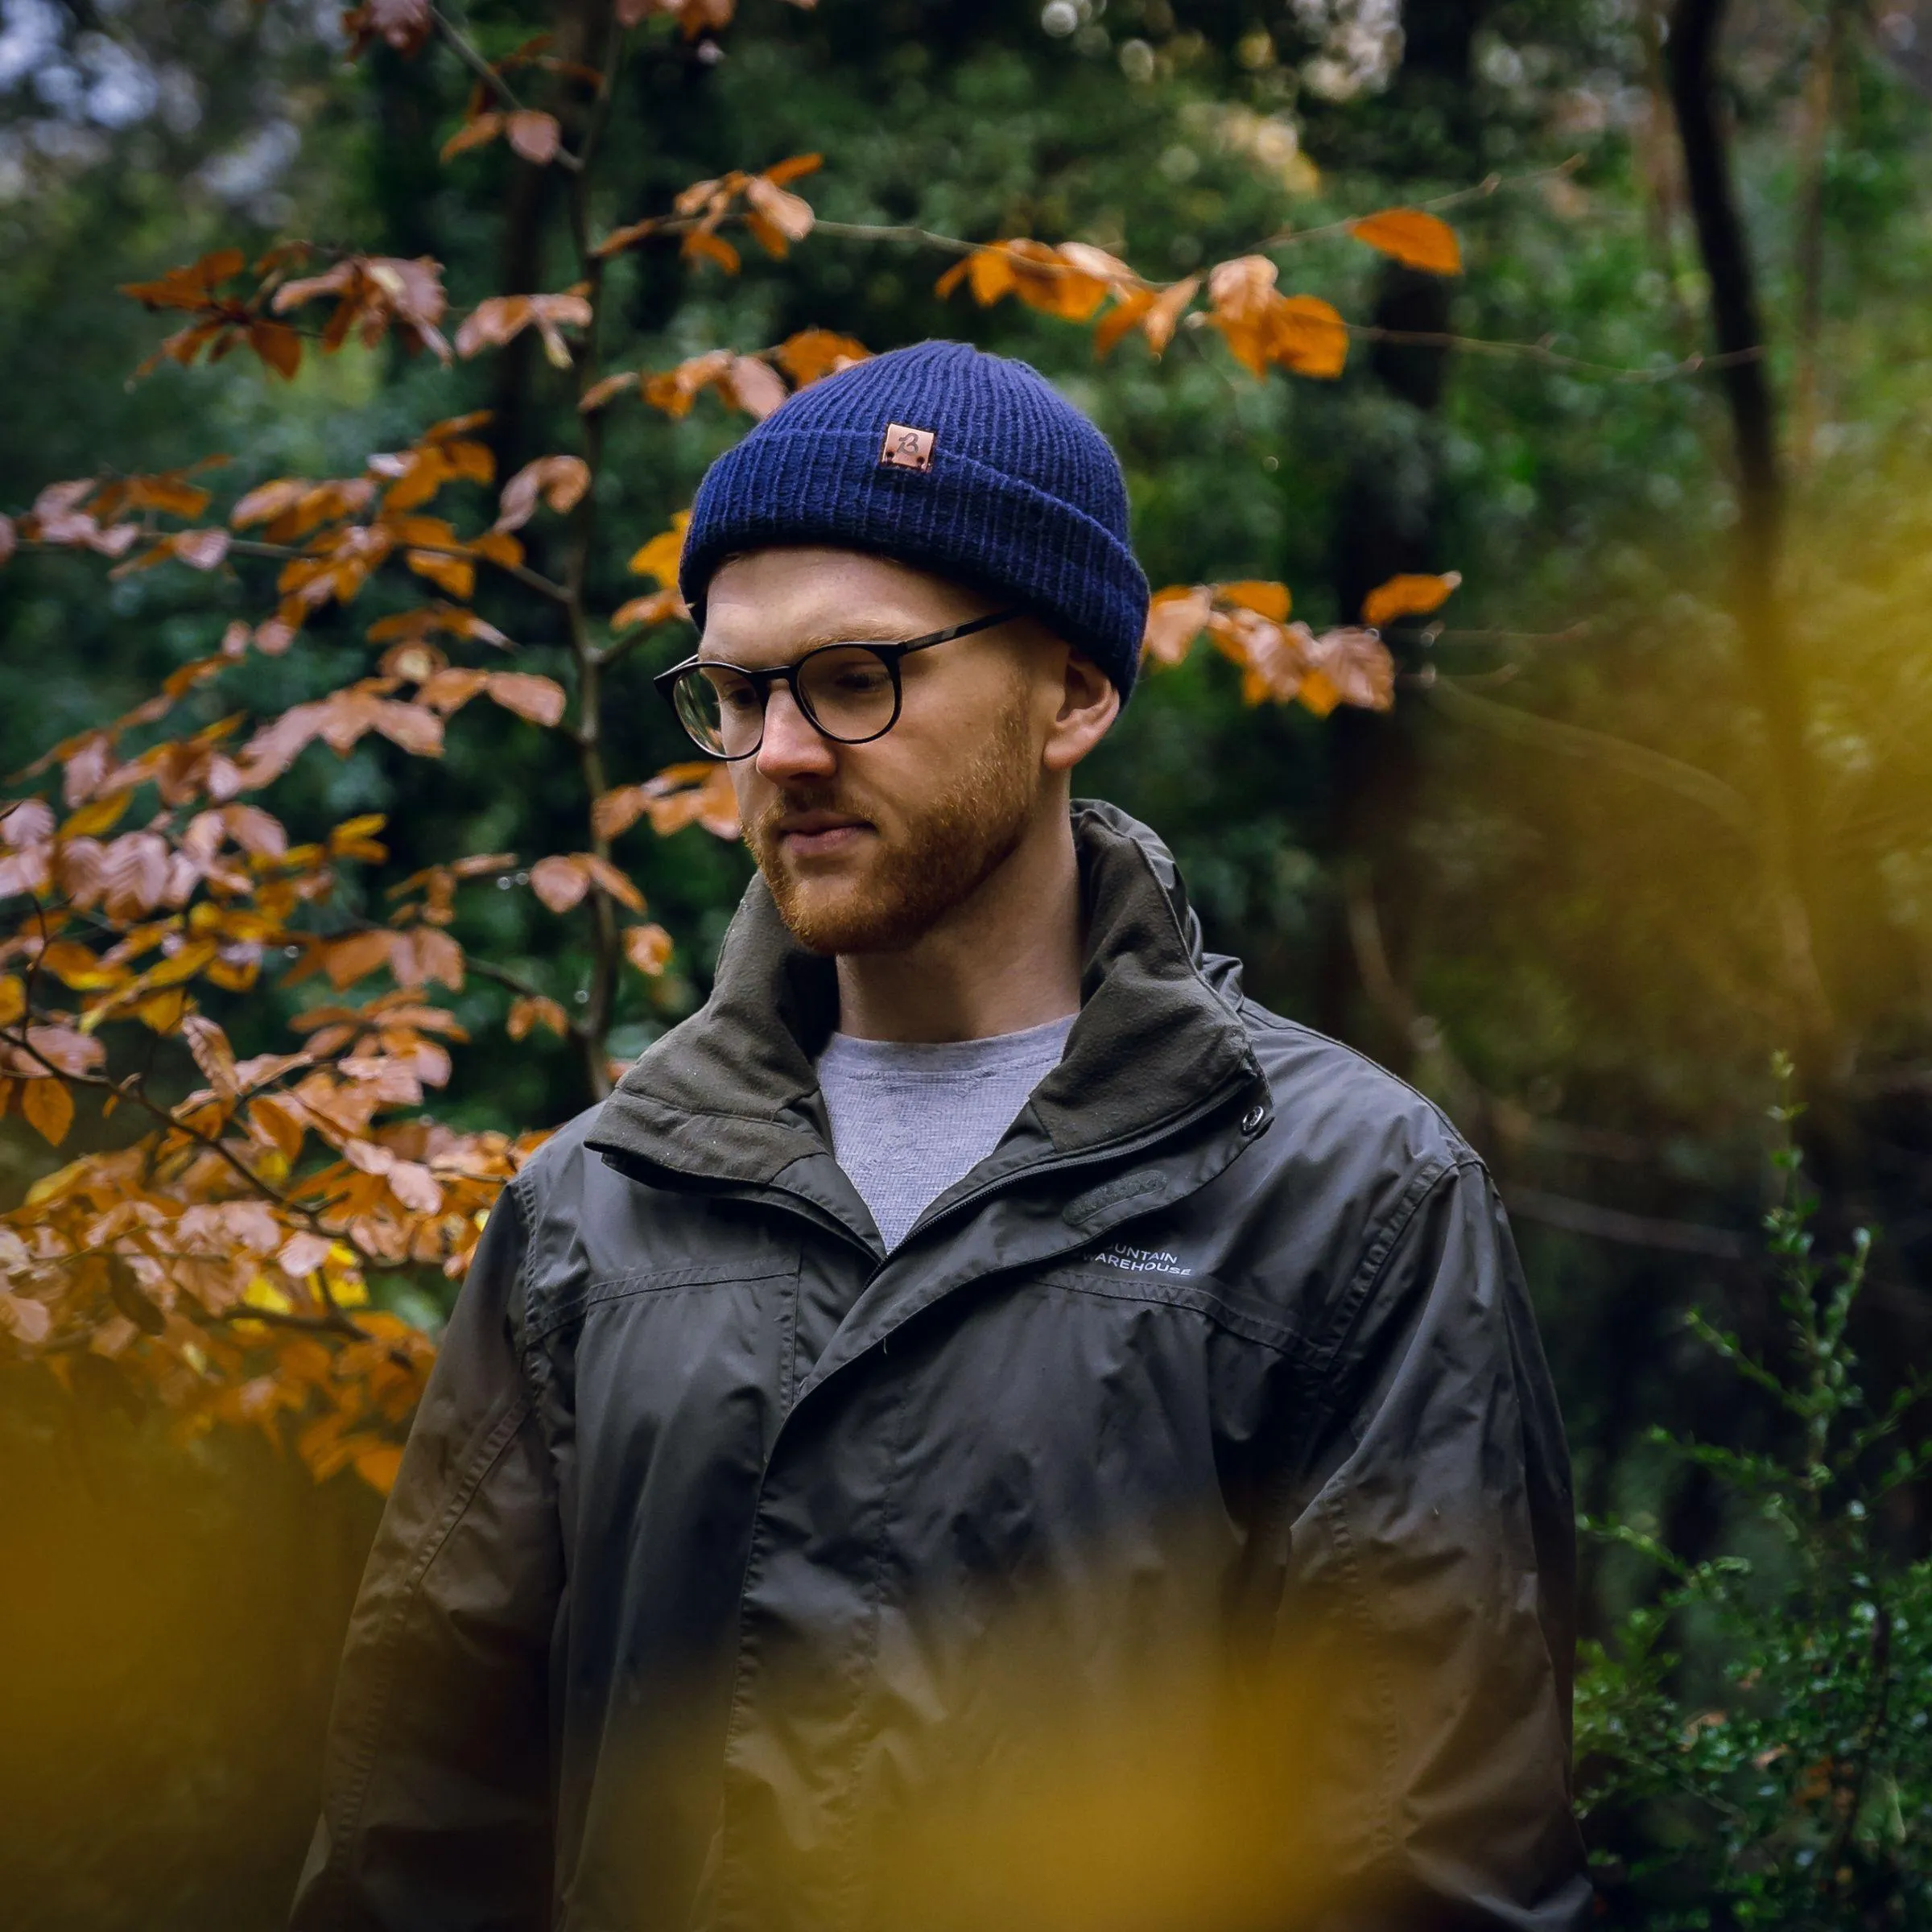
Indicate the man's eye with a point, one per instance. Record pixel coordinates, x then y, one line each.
733 694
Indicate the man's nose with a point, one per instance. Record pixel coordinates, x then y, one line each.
794 747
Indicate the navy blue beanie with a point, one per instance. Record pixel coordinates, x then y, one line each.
961 462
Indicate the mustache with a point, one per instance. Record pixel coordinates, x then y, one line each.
763 823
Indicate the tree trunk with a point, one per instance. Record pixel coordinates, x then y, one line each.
1789 799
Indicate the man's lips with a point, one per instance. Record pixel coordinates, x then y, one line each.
807 835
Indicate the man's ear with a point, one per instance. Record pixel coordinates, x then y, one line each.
1089 703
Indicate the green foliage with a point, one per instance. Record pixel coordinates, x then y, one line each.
1802 1794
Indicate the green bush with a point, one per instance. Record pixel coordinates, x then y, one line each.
1799 1793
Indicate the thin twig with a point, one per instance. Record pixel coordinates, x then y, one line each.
251 547
1480 190
515 982
1542 354
1722 801
469 53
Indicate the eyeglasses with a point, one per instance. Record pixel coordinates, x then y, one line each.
849 692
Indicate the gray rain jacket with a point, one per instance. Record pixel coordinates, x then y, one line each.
725 1541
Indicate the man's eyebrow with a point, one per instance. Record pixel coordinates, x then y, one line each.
851 630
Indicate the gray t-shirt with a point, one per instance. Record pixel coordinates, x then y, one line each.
908 1119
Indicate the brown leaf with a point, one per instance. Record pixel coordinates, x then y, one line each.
192 286
450 689
456 577
474 133
789 215
1266 600
499 319
356 956
415 1186
793 166
754 386
200 549
404 24
278 346
614 812
535 135
1407 597
135 874
437 957
214 1056
594 398
1175 620
60 1047
608 878
659 557
1307 336
25 1319
696 792
1413 238
673 390
648 948
1239 290
560 481
813 353
559 882
1130 307
539 699
30 823
533 1010
1356 666
49 1108
701 244
657 607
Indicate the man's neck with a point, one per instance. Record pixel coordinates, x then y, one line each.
1005 958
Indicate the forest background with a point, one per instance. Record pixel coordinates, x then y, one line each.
1652 801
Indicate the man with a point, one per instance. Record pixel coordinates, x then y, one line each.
986 1426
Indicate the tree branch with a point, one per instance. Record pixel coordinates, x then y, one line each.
469 53
1723 802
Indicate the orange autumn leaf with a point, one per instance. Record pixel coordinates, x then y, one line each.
1414 595
1175 617
1412 237
49 1108
455 576
701 244
474 133
1308 337
1267 600
659 558
648 948
531 1011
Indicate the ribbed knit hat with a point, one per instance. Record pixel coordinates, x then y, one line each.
961 462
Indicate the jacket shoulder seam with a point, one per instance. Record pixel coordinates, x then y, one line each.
1382 1244
1253 1010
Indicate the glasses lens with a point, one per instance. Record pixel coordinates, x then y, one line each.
848 690
720 709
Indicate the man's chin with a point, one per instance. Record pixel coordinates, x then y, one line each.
842 918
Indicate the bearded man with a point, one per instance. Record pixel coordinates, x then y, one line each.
986 1426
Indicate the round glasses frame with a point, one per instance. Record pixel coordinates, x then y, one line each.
670 682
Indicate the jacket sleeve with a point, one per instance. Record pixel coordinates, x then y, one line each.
436 1788
1430 1585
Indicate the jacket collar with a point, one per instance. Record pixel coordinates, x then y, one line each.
730 1095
